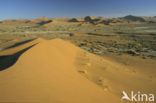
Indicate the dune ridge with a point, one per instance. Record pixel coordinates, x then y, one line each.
59 72
47 73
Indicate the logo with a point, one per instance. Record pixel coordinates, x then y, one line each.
140 97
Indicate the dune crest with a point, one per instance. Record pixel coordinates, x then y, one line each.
47 73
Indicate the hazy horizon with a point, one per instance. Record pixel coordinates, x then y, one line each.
31 9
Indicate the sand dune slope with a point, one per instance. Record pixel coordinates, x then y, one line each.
47 73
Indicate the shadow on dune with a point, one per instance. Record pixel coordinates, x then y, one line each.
8 60
18 44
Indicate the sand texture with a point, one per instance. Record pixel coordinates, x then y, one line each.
56 71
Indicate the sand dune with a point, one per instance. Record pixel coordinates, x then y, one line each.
47 72
57 71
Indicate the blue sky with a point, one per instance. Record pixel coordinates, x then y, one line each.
19 9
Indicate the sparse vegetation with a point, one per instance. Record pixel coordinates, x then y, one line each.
97 35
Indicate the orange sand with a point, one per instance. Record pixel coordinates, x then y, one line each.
56 71
47 72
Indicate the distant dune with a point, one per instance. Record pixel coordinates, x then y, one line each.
89 19
134 18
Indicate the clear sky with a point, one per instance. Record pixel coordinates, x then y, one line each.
19 9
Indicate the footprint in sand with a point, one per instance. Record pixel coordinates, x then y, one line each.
83 71
104 83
